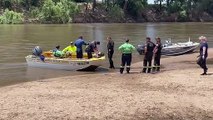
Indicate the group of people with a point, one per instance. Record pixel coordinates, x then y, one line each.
76 48
152 50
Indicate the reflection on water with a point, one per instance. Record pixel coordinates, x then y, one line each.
17 41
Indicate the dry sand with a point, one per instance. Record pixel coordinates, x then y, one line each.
177 92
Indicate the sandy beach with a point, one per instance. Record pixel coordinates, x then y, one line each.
177 92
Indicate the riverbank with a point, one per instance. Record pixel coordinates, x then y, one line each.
177 92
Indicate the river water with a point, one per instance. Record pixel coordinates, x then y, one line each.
17 41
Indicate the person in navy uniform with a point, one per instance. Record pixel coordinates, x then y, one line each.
149 47
79 43
92 48
157 54
203 54
110 51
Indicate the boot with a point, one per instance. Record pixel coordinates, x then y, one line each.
121 70
204 72
127 69
154 69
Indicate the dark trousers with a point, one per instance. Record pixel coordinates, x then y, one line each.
110 55
203 65
126 59
89 54
79 54
157 63
148 68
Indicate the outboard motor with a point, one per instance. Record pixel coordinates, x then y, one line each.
37 51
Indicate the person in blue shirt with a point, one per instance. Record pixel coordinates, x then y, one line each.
203 54
79 43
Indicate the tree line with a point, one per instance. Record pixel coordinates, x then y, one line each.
63 11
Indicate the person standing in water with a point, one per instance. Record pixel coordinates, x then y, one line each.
126 59
110 51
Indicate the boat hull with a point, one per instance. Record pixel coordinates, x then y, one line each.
175 49
178 51
65 64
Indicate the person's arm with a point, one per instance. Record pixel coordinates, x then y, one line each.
112 44
84 43
145 48
108 46
120 48
65 49
155 49
133 47
204 51
95 48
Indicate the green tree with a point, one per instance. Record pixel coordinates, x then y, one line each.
11 17
59 12
133 7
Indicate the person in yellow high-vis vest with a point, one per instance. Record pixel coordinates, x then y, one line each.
70 50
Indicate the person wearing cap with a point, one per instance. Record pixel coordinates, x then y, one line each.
126 58
203 54
157 54
92 48
57 52
149 47
110 51
79 43
69 50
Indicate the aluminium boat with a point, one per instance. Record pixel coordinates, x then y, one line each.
172 49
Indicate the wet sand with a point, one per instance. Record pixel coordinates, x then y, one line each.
177 92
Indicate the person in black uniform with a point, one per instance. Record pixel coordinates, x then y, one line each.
110 51
203 54
149 47
157 54
92 48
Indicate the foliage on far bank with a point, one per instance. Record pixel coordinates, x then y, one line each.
56 12
64 11
47 11
116 13
11 17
